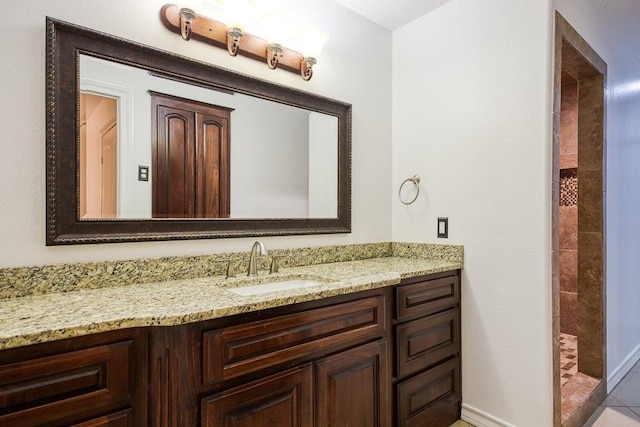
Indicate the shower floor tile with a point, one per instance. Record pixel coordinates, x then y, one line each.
568 357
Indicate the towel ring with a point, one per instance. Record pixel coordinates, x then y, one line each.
415 179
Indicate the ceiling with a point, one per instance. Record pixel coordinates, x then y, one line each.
391 14
623 16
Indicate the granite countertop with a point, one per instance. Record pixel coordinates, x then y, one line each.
48 317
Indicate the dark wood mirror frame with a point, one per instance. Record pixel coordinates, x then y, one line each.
65 42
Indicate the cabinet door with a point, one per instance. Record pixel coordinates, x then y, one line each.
283 400
352 388
431 398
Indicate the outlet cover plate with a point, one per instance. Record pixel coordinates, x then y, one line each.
443 227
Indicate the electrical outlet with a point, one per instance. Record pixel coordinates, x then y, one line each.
443 227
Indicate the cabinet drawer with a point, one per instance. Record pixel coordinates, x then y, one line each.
40 391
418 299
119 419
284 399
426 341
237 350
431 398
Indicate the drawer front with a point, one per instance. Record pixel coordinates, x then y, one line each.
431 398
422 298
40 391
119 419
426 341
284 400
237 350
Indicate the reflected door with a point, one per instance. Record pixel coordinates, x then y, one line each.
190 158
98 156
109 171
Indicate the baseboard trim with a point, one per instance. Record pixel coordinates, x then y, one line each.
480 418
623 369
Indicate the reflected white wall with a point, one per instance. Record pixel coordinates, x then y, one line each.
323 157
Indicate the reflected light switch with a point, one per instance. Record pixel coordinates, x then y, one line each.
143 173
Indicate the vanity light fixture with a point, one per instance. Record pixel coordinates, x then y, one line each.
233 40
236 17
311 42
186 17
277 28
277 31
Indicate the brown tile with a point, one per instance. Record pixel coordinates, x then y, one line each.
590 199
569 100
569 132
556 147
557 70
590 132
568 227
568 313
591 304
590 266
568 271
568 161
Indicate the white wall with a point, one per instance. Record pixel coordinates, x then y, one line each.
346 71
622 192
472 117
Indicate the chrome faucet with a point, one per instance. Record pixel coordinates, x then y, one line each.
258 249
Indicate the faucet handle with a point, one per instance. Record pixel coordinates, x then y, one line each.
231 271
274 263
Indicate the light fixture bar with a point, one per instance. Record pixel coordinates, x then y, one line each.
215 33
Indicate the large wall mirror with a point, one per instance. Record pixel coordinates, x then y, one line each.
143 144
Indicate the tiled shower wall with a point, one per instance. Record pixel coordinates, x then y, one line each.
569 208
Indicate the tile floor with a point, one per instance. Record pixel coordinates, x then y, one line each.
568 357
621 408
576 386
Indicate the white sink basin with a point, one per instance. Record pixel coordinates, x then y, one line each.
265 288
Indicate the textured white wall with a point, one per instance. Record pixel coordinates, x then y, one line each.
347 70
622 192
472 117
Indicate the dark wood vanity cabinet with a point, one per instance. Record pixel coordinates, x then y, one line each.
346 388
427 382
97 380
384 357
311 364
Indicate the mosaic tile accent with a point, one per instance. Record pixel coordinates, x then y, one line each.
568 357
568 187
38 280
